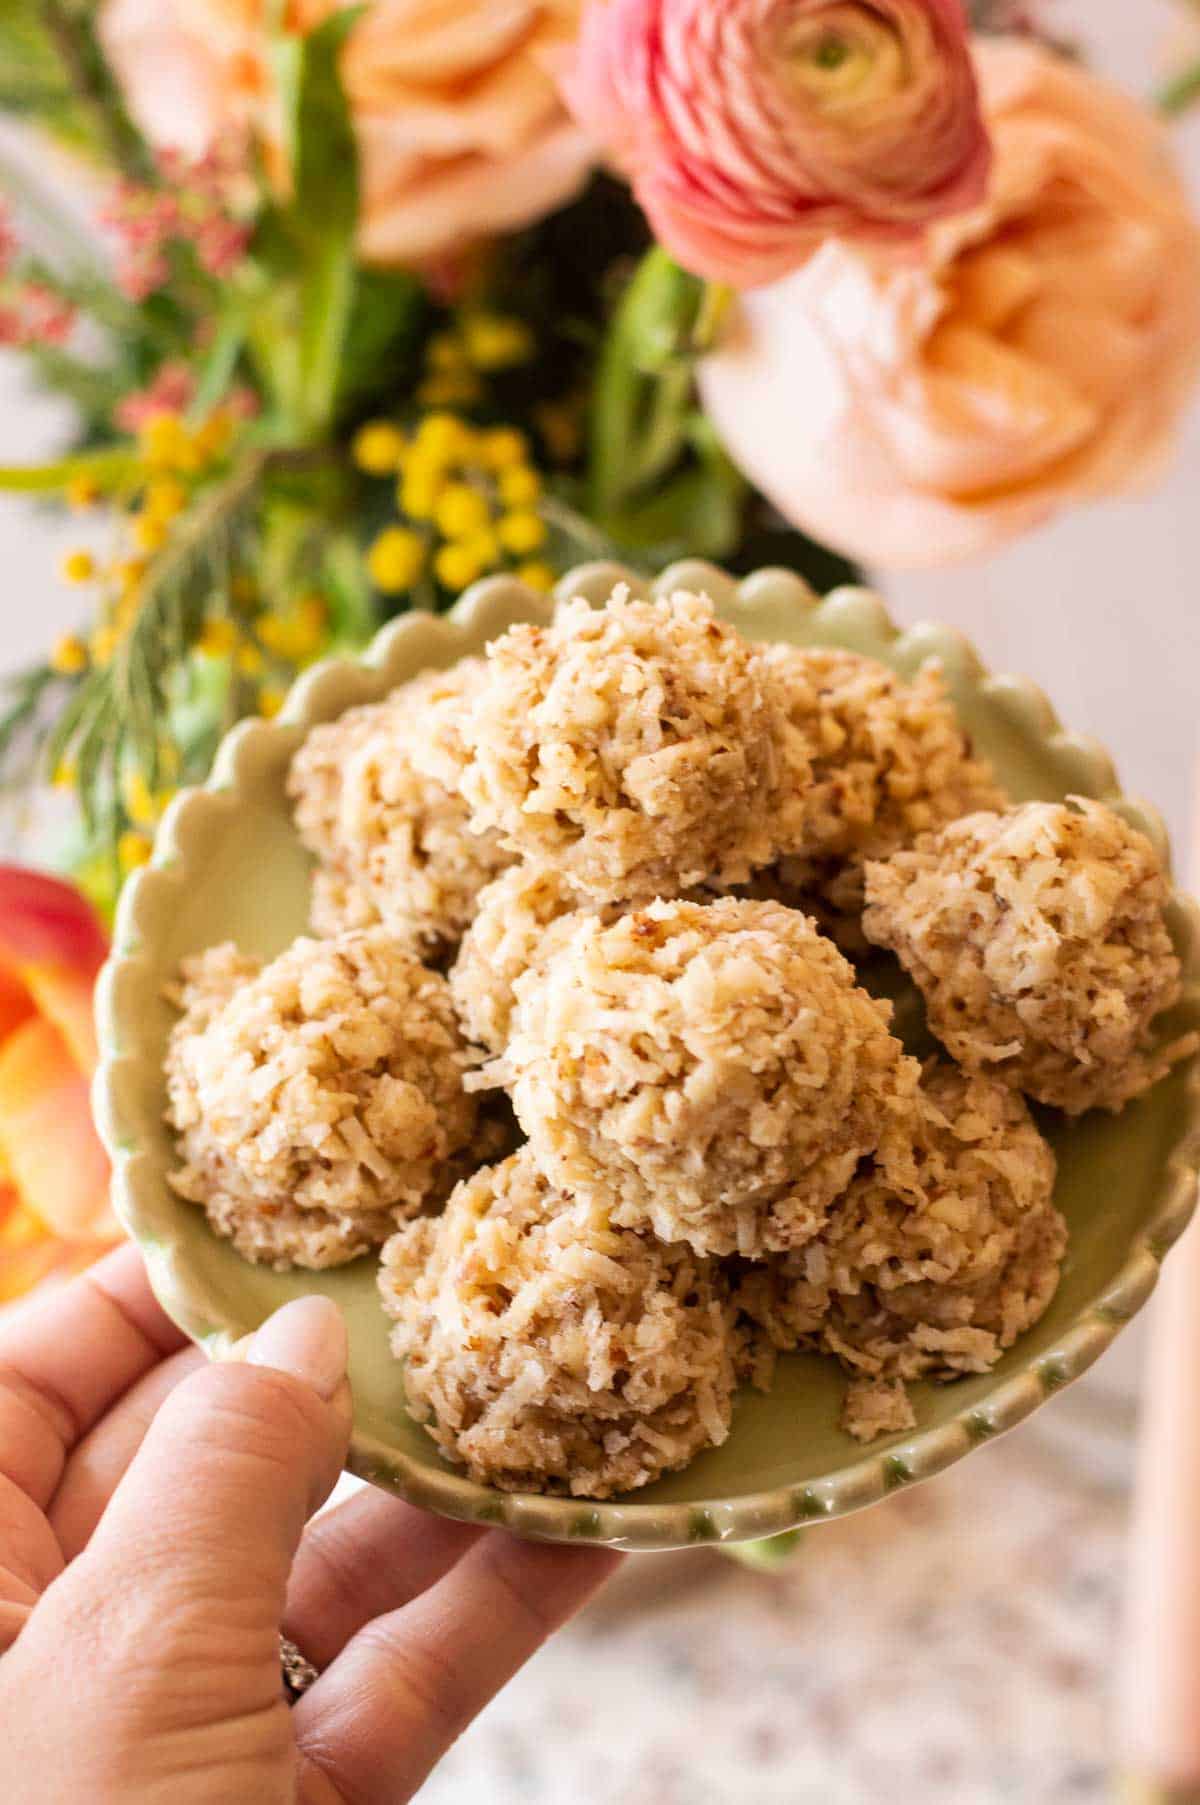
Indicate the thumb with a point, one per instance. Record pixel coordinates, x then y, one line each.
192 1556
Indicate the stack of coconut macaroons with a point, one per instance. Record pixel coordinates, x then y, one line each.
609 875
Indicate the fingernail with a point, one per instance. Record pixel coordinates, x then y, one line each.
306 1338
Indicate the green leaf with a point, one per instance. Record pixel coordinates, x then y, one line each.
769 1555
355 617
326 302
33 77
106 467
318 129
383 341
697 514
642 397
58 41
217 371
121 711
658 482
323 215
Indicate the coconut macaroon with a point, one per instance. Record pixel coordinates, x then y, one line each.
377 799
1038 939
318 1099
340 906
945 1247
317 775
546 1349
510 934
632 747
870 763
712 1073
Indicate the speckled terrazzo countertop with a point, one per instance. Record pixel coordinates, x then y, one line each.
950 1646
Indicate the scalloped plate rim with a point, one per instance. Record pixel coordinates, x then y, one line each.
627 1522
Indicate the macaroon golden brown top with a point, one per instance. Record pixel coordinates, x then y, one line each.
1038 939
547 1349
378 798
712 1073
633 747
332 1078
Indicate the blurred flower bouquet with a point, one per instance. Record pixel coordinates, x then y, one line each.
375 300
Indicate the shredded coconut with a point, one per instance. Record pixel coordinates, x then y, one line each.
377 799
871 763
633 747
1039 943
875 1407
712 1073
546 1349
340 906
633 827
944 1249
515 926
316 1099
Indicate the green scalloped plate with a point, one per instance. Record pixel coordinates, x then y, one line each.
227 865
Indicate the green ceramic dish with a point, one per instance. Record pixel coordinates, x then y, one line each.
227 865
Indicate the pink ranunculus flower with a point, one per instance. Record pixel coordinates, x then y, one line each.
753 130
1042 354
460 127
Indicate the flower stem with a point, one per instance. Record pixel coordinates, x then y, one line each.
578 529
714 307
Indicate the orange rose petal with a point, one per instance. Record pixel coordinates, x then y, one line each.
47 1139
29 1253
46 922
16 1004
23 1268
10 1212
51 947
64 997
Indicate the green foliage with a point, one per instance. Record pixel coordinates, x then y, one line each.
696 512
381 355
657 480
27 711
1182 92
323 215
210 627
123 708
53 69
104 467
33 82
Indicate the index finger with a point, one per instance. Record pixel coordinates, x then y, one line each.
410 1682
67 1359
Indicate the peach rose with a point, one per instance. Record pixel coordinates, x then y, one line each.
180 89
460 128
54 1174
1041 355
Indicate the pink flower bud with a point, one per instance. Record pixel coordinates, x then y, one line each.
752 130
170 392
49 320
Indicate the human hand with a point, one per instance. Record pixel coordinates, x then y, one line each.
153 1543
